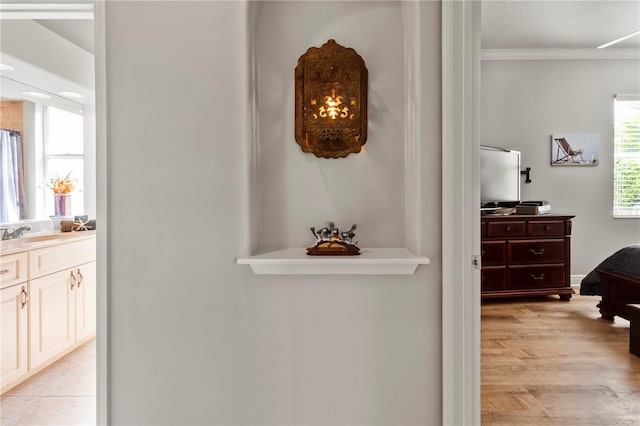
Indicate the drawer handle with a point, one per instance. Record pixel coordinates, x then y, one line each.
537 277
73 280
25 297
80 278
537 252
4 271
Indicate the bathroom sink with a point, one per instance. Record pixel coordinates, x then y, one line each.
45 237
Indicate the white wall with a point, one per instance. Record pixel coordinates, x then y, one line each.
525 102
197 339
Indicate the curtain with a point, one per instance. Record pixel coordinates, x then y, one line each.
11 176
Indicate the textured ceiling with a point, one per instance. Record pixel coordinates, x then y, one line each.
555 24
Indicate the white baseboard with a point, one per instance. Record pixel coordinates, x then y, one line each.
576 279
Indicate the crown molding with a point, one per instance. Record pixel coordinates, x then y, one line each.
558 54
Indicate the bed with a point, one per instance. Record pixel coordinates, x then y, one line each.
617 280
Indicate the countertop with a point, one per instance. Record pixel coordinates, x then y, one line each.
43 240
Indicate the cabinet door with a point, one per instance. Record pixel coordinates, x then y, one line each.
52 316
13 326
85 300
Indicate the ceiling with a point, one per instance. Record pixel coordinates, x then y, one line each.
77 31
559 24
506 24
73 22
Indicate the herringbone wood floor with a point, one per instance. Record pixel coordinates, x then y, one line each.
548 362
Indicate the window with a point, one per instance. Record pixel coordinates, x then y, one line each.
64 154
626 169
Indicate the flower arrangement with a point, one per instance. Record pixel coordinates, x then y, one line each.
62 185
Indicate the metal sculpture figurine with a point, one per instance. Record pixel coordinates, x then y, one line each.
331 242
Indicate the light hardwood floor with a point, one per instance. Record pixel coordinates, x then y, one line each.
548 362
62 394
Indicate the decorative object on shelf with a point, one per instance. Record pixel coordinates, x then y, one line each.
331 101
62 204
77 225
62 189
575 150
331 242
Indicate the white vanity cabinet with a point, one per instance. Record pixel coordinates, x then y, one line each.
48 303
62 302
13 319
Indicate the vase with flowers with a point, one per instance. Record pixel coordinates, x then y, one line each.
62 189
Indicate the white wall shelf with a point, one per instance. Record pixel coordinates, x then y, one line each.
373 261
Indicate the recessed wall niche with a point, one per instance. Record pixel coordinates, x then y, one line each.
376 188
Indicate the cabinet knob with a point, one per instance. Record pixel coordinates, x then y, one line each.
547 227
508 228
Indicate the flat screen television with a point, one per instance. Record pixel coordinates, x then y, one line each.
499 177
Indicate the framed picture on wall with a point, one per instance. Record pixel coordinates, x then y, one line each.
575 149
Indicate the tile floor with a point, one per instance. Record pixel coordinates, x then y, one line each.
62 394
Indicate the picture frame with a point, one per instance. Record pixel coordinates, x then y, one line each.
575 149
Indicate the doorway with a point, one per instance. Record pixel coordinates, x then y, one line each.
52 71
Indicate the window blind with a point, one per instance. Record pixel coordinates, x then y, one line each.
626 180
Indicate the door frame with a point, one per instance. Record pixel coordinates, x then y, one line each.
460 210
102 216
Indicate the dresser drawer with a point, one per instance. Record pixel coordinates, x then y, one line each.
550 228
494 253
493 278
13 269
536 251
536 276
506 229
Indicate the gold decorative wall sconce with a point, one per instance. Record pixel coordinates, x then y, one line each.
331 101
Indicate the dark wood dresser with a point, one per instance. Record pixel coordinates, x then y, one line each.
526 255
